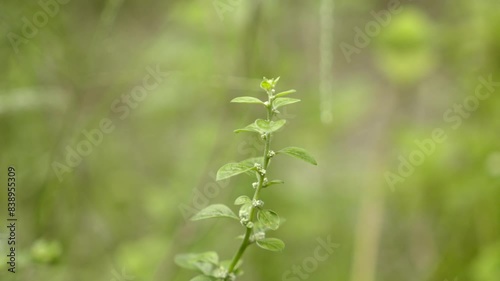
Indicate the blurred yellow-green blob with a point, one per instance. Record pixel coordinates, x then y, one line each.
404 50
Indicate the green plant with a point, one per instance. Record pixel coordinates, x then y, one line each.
252 215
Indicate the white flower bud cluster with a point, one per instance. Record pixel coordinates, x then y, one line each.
246 223
258 203
259 168
221 272
271 154
259 235
265 181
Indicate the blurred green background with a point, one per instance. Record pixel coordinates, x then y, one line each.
373 77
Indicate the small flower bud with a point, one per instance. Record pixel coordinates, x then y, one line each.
244 221
259 235
263 136
271 154
220 272
257 165
255 184
258 203
273 91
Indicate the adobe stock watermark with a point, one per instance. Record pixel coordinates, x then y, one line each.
453 117
363 37
225 6
39 19
122 106
121 275
311 263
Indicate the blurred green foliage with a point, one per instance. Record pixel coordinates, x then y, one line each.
118 213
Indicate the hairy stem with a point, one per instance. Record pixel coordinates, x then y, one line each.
246 240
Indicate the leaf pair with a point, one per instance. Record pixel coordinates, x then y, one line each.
268 220
277 103
234 169
262 126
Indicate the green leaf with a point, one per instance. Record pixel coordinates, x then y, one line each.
187 260
285 93
269 126
269 219
203 278
231 170
247 100
214 211
298 153
245 210
262 126
260 228
203 262
242 200
279 102
275 81
271 244
274 182
250 128
250 162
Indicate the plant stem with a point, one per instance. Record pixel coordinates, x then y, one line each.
246 240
